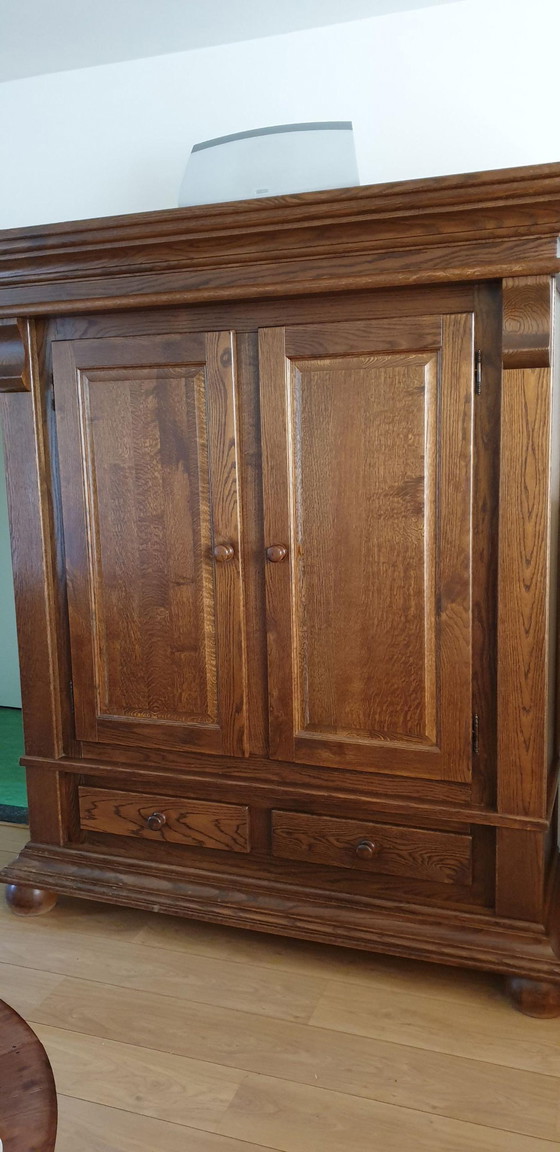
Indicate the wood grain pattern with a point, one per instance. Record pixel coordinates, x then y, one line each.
224 827
442 857
165 664
523 591
361 671
520 874
453 228
28 1113
15 337
527 328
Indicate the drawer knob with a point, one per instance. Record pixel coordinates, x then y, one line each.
223 553
366 849
156 821
276 553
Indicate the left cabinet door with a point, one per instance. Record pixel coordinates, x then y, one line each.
147 441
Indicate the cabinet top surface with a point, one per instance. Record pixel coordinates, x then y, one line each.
478 225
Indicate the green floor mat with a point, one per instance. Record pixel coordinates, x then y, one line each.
12 776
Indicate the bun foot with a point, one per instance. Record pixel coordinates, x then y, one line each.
24 901
534 997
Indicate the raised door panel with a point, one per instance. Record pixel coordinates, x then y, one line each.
367 448
148 459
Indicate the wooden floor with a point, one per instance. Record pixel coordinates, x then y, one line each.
174 1036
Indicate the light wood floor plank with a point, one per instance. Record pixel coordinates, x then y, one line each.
86 917
484 1031
13 837
85 1127
158 1084
390 1072
181 975
294 1118
346 964
25 989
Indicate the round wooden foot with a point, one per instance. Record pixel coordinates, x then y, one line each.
24 901
534 997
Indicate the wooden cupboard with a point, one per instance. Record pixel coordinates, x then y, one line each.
283 479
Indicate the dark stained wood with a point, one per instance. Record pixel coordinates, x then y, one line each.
165 662
277 781
486 476
527 334
523 592
481 225
15 367
371 745
28 1108
534 997
385 923
281 311
377 510
439 856
520 874
219 826
27 901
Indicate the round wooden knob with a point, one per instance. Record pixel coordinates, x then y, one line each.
223 553
366 849
156 821
276 553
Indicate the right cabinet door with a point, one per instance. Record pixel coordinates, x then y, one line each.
368 459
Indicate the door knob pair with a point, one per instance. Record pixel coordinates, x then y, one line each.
223 553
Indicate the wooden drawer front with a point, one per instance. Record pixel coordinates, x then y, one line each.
196 823
418 853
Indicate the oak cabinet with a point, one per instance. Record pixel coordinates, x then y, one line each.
283 481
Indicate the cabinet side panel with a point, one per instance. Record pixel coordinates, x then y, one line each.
523 592
39 594
34 559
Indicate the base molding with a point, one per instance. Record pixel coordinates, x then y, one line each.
456 937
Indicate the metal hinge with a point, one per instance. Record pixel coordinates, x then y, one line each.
477 372
475 729
71 689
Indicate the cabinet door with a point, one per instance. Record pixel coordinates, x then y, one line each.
367 451
148 459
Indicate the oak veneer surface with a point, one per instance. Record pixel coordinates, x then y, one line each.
166 1034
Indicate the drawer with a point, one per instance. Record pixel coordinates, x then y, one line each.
417 853
195 823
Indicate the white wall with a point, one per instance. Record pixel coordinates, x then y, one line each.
10 696
452 88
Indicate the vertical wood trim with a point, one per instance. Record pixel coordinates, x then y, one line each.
488 323
554 613
250 475
523 591
455 543
226 520
520 874
69 400
274 387
34 556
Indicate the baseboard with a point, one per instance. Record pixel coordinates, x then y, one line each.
13 814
